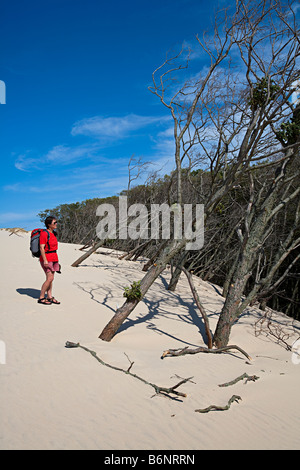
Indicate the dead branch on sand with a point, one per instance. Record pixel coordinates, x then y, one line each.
272 328
234 398
249 378
168 392
201 349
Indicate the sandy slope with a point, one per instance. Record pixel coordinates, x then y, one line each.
58 398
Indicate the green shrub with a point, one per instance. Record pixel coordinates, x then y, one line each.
134 291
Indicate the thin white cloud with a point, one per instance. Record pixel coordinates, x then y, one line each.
81 180
101 130
60 154
64 155
114 127
16 187
25 162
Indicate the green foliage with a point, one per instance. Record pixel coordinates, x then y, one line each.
198 172
290 131
134 291
220 208
263 93
78 222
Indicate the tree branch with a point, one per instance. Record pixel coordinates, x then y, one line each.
234 398
184 351
200 306
166 391
249 378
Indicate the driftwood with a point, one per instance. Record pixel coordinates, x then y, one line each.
234 398
249 378
201 349
166 391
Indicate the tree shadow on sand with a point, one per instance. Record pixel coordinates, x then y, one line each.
157 308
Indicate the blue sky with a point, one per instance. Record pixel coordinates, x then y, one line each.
77 101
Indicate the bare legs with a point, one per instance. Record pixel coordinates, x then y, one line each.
47 286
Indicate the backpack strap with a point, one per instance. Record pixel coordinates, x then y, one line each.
45 230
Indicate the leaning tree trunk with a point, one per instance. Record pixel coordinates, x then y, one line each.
87 254
229 312
256 232
176 274
233 305
123 312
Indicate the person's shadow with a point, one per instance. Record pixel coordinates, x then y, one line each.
34 293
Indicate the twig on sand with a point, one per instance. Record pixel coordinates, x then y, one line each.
166 391
234 398
249 378
186 350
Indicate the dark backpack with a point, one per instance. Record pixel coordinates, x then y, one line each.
35 241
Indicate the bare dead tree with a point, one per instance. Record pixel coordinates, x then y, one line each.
258 227
182 123
136 168
231 115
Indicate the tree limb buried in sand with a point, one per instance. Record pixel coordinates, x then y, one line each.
249 378
168 392
234 398
201 349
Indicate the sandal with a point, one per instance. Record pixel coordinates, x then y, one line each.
53 301
44 301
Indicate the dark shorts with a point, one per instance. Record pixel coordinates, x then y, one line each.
53 266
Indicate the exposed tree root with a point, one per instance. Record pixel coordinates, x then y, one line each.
234 398
158 390
201 349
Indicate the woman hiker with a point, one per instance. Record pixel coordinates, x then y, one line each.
49 260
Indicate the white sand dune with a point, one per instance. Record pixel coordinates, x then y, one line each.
58 398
